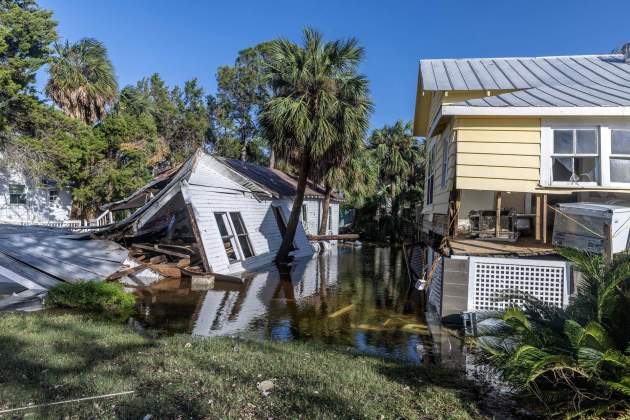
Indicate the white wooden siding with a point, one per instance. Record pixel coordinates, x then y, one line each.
257 215
314 216
37 207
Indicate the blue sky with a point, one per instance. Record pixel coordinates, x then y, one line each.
186 39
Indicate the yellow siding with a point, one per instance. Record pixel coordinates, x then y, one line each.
497 172
490 159
498 154
490 184
513 149
441 194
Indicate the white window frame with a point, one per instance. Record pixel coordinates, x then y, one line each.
23 198
596 155
616 155
233 237
53 201
604 127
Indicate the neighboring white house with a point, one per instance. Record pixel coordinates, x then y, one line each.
24 200
235 213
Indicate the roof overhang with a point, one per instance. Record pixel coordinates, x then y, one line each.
532 111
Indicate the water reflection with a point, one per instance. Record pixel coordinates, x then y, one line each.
362 298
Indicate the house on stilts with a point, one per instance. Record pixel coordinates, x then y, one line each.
524 155
233 213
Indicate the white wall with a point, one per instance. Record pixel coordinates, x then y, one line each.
314 216
37 207
258 216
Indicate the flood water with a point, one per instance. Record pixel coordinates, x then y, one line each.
355 297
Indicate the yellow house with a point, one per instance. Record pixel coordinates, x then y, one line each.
518 133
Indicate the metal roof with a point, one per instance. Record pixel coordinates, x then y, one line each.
560 81
281 183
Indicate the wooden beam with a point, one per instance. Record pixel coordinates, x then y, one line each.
155 248
544 219
538 205
198 240
608 250
497 222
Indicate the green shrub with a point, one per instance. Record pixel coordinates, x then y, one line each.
92 296
576 360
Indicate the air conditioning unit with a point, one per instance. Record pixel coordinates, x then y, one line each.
583 226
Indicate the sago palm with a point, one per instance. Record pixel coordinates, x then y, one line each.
82 81
319 110
576 360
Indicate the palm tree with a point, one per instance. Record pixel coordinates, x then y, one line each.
82 81
319 111
397 151
356 177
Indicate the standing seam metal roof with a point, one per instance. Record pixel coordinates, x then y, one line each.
560 81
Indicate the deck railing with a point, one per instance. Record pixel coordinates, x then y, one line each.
104 219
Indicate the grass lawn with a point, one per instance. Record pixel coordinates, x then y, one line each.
47 357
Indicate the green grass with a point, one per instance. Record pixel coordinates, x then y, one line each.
50 356
93 296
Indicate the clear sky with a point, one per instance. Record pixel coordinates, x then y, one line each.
186 39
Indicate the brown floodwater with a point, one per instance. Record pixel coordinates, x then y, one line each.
361 298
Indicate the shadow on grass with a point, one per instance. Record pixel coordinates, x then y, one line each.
47 358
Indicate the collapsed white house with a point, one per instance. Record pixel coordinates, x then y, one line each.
231 214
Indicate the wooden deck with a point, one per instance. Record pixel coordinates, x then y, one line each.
478 248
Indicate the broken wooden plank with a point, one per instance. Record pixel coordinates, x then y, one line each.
157 249
183 263
127 272
167 270
158 259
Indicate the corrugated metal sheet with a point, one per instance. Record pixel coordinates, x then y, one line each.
563 81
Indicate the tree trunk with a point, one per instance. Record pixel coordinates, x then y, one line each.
272 159
283 253
244 152
323 226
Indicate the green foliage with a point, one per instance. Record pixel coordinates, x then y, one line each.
576 360
92 296
26 32
241 92
397 158
51 357
82 81
319 113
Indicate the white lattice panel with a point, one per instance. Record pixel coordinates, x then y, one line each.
489 277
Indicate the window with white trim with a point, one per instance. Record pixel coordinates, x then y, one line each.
17 194
575 156
53 197
234 236
620 156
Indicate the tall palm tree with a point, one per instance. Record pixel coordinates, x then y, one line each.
397 152
319 111
356 177
82 80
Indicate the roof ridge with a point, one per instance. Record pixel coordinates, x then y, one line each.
520 57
